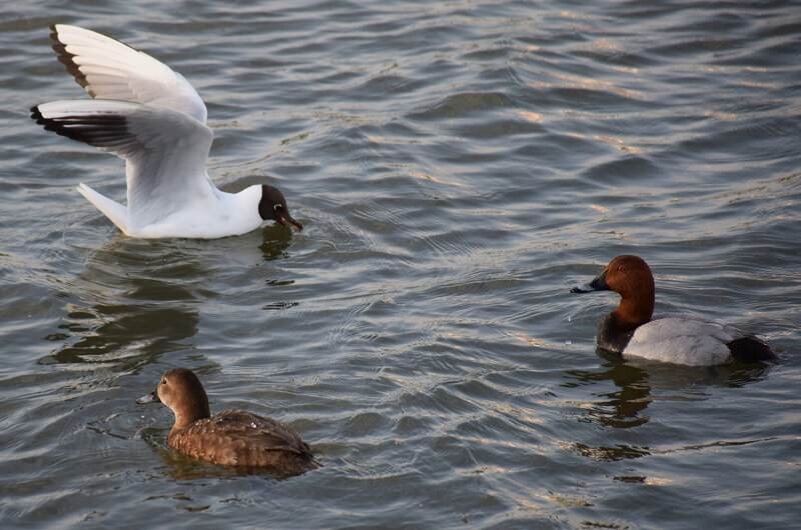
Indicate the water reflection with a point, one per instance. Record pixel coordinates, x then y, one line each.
135 300
275 241
635 383
138 299
613 453
691 382
114 332
622 408
635 380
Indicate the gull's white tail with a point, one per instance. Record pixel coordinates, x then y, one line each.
116 212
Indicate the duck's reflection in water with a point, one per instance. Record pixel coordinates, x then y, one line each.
636 384
621 407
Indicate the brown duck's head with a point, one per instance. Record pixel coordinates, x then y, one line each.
631 278
180 390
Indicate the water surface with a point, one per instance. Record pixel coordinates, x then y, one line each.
457 166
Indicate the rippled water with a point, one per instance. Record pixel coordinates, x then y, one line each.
457 166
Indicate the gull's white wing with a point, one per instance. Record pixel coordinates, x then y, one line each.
165 151
109 69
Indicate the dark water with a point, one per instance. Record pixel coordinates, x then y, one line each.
458 166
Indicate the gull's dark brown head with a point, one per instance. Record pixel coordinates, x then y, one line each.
272 207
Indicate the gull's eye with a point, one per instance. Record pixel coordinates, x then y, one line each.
277 207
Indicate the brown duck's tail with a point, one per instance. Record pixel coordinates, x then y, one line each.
750 350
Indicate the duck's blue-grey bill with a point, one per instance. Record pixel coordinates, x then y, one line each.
148 398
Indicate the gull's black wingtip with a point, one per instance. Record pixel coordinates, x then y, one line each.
54 34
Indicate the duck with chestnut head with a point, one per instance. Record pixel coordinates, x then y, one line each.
630 330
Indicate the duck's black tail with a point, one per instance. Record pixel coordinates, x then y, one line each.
750 350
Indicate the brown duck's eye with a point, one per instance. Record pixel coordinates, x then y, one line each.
163 381
277 207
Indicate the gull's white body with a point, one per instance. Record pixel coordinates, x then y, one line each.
150 116
219 215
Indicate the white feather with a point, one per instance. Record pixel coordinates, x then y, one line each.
682 341
144 79
115 211
169 191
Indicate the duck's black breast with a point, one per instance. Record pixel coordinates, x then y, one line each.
611 337
243 439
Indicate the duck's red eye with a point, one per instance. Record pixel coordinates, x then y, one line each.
277 207
163 381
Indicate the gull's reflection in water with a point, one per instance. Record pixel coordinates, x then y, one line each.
138 299
275 242
134 300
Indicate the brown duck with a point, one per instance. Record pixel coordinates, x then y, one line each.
230 438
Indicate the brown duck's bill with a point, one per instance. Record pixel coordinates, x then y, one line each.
286 220
148 398
597 284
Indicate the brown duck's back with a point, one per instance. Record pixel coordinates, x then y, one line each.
243 439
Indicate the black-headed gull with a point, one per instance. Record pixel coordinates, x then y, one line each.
149 115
